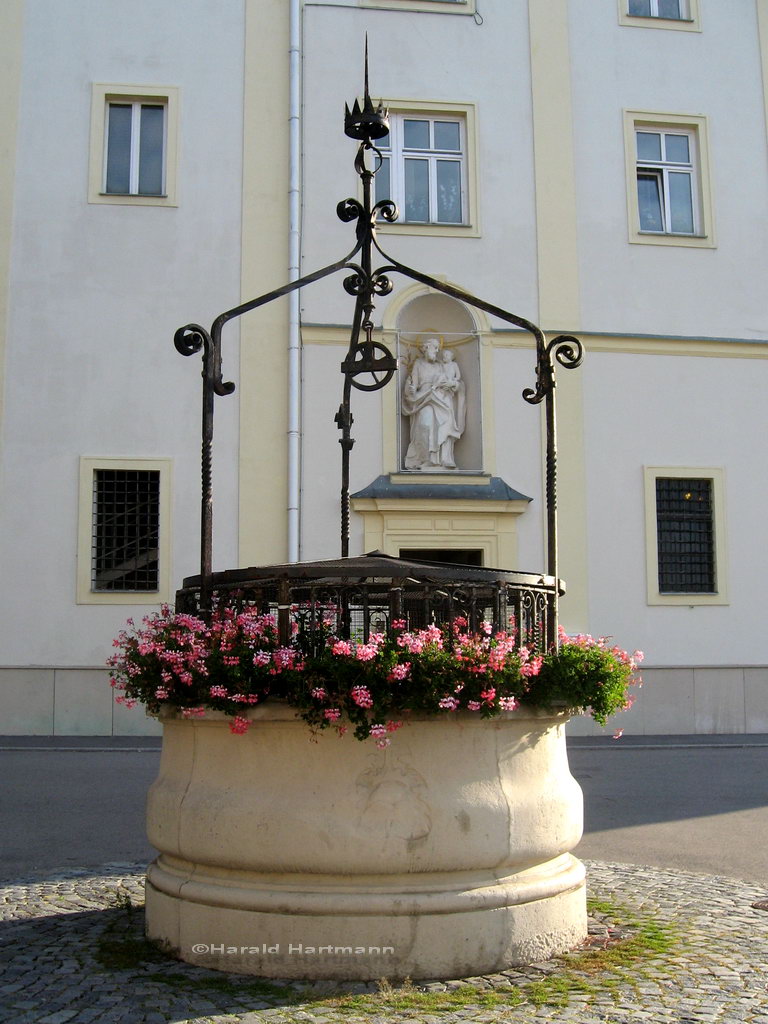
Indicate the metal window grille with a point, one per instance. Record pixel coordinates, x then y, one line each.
686 536
126 526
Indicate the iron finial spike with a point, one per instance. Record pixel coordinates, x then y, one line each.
367 94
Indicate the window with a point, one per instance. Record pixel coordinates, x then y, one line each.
666 186
426 170
669 14
686 536
657 8
668 189
423 169
124 525
134 160
133 145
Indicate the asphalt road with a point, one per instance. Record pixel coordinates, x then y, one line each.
699 804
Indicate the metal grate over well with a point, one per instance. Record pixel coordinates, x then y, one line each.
366 594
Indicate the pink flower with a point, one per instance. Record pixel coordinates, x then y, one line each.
378 730
532 667
284 657
399 623
219 691
400 671
341 647
474 705
486 627
361 696
161 693
448 703
489 694
193 712
129 702
507 703
319 693
332 714
383 742
413 643
239 725
262 658
366 652
618 734
394 726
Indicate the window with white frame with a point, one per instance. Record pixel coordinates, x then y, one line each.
664 14
667 194
685 536
124 523
134 134
677 9
668 186
424 168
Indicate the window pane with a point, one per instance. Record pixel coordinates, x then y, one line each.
447 136
416 134
151 151
126 525
382 181
119 148
680 203
686 536
649 202
677 149
669 9
640 7
417 190
449 192
383 142
648 146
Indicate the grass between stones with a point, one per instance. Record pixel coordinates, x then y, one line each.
606 966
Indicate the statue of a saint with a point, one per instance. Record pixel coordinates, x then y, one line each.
434 401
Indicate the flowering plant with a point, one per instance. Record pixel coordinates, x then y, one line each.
236 660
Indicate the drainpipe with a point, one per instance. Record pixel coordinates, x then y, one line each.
294 315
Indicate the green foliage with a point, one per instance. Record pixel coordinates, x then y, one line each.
585 676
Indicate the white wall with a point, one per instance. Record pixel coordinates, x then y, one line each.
653 289
423 57
675 411
97 292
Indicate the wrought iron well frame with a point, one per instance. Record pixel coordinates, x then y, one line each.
365 357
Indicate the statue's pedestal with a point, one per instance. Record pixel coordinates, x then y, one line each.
447 855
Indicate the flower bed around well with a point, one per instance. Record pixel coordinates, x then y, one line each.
235 660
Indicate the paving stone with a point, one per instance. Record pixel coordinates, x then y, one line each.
716 972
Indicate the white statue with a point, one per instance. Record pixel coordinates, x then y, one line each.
434 401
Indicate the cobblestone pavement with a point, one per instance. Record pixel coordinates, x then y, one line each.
73 952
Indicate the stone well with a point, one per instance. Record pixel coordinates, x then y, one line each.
287 855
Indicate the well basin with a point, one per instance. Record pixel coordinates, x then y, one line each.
446 855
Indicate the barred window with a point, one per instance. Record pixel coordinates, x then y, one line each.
125 530
685 535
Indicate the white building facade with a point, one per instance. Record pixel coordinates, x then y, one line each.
598 168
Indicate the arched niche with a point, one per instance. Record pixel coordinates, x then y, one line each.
438 345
